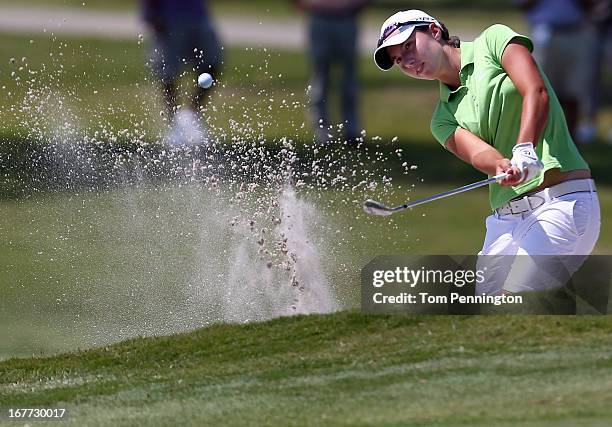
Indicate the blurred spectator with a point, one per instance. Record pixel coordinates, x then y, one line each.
560 32
183 36
332 37
600 14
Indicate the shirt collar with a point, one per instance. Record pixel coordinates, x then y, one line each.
467 58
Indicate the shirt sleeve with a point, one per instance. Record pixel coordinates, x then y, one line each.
443 123
497 38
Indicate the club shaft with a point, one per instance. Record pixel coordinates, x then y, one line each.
455 191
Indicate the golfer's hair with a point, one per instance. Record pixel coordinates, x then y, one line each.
450 40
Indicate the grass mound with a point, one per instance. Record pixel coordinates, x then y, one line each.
337 369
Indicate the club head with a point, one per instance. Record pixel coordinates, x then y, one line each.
374 208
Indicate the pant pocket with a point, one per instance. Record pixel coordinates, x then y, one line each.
581 215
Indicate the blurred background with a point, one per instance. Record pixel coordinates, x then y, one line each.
107 233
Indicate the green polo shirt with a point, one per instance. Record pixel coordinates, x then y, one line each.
488 104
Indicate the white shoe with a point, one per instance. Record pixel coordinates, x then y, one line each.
186 129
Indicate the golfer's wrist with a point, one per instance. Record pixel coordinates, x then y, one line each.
488 161
502 165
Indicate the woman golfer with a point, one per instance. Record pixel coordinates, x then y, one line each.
498 112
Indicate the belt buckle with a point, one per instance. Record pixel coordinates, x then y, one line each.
541 197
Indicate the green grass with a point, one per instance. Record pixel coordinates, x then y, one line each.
338 369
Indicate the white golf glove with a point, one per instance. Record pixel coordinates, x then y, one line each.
525 158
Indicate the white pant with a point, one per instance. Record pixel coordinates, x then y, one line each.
567 225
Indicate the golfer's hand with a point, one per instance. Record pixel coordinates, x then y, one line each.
514 174
526 160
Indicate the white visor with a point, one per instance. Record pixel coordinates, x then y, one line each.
396 30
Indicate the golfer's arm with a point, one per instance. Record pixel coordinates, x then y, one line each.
473 150
524 73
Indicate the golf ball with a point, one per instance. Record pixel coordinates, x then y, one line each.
205 80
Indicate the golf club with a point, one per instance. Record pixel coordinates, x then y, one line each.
375 208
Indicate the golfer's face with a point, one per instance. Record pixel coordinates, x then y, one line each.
415 57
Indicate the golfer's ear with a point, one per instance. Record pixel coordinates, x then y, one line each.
435 31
